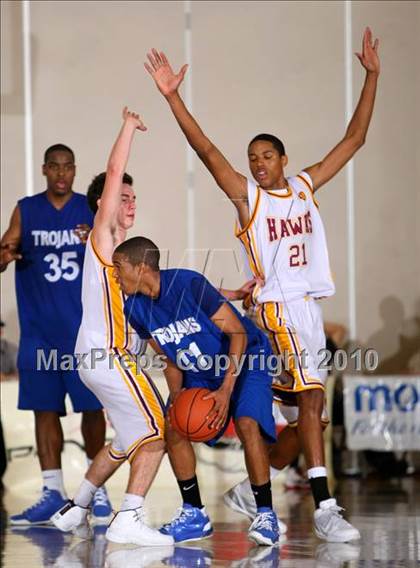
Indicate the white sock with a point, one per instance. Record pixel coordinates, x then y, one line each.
274 472
53 479
131 501
317 472
85 493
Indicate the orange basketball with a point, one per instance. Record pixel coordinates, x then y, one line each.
188 415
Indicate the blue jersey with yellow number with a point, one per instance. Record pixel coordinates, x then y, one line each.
179 320
49 276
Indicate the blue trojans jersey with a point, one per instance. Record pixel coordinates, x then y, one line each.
48 277
179 321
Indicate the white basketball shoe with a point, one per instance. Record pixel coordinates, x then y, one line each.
330 525
143 556
73 518
129 527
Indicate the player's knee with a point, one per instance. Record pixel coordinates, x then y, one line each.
172 437
311 402
93 417
47 419
246 428
157 446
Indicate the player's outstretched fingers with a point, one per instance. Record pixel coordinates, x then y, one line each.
153 62
158 58
164 58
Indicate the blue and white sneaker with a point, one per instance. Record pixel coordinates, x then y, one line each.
264 529
190 523
101 507
40 513
46 541
189 556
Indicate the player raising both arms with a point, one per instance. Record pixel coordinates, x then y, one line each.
131 400
282 232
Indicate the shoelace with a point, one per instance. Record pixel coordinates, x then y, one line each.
336 514
264 521
180 516
336 510
46 493
140 515
100 497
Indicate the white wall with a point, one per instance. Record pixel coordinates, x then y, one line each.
257 66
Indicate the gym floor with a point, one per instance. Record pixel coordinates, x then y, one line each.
384 511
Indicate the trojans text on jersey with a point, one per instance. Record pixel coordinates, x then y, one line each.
175 332
55 239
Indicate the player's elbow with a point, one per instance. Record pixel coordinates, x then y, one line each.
360 141
238 333
114 170
356 140
206 151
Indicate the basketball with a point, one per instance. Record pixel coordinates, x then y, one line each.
189 413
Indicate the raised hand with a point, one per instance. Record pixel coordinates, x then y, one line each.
133 118
369 56
166 80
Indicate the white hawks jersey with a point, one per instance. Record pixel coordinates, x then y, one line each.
285 242
104 325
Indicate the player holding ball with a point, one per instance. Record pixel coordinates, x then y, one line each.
188 321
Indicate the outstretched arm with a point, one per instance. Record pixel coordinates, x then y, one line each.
239 294
10 241
230 181
355 135
105 222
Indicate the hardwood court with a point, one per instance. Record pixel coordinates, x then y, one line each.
385 511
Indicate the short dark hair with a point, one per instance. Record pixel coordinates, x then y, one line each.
96 188
140 250
276 142
57 148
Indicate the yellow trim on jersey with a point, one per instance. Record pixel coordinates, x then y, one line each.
149 396
254 249
129 454
116 455
106 312
239 231
288 194
305 181
295 422
314 385
141 442
248 241
308 185
115 304
283 340
98 256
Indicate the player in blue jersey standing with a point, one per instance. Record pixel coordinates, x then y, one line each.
45 238
185 318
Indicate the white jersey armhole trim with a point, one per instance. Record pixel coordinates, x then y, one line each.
254 198
96 253
306 180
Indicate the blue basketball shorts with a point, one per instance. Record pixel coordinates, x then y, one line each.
47 390
252 397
